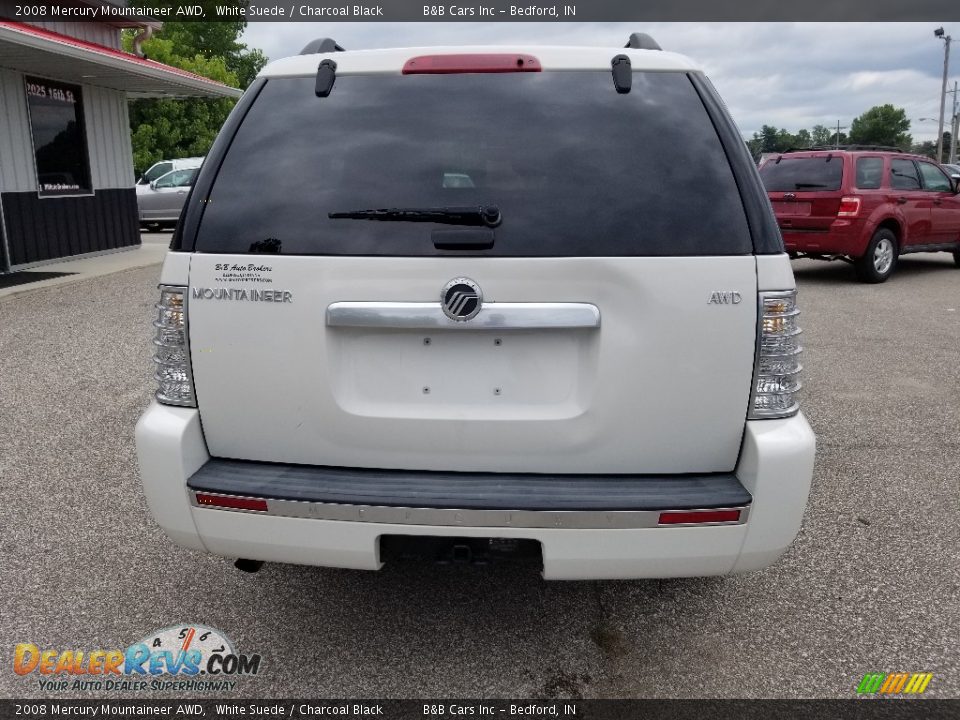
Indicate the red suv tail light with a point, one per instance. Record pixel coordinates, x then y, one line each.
849 207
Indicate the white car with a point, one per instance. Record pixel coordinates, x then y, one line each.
585 347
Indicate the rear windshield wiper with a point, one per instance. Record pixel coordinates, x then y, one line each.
488 215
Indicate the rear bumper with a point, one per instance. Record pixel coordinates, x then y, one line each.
616 538
845 237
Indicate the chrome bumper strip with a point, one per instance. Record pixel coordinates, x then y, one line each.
565 519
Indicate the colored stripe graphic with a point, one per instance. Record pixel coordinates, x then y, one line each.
894 683
918 683
871 683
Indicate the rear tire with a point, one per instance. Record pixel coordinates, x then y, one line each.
878 262
956 258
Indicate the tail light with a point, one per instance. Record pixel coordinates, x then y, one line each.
232 502
776 378
698 517
849 207
172 355
472 63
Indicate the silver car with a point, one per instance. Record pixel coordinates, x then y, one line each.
162 202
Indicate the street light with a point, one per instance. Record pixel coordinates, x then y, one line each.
939 34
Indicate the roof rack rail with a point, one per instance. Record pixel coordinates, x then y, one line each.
321 45
642 41
823 148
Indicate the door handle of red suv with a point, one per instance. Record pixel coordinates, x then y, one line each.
901 200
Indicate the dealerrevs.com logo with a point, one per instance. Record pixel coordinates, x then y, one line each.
185 658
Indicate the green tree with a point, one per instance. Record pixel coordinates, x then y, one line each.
882 125
767 140
771 140
927 147
182 128
821 135
840 138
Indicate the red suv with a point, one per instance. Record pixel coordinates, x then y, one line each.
866 206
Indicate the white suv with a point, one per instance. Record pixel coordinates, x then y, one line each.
481 300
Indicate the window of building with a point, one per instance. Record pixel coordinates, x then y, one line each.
59 139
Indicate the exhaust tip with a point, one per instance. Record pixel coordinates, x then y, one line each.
248 566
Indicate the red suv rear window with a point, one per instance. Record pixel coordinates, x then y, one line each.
803 174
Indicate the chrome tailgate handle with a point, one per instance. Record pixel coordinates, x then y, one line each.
492 316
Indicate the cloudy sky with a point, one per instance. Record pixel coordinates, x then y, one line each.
792 75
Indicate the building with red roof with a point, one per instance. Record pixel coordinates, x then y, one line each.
66 162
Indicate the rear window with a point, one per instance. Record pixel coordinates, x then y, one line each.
803 174
575 168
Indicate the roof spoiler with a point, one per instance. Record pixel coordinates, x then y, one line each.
824 148
321 45
642 41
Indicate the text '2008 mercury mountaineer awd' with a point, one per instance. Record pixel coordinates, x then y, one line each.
488 299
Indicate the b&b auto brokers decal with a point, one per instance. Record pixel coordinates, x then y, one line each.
242 273
184 658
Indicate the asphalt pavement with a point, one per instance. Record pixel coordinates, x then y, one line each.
871 584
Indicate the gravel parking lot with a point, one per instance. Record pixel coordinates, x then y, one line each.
872 583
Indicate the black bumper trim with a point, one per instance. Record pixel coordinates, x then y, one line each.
469 491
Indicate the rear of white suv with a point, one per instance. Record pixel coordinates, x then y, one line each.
480 296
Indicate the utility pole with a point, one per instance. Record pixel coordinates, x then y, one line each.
943 91
836 143
953 127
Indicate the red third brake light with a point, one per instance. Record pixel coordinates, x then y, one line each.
849 207
485 63
699 516
233 503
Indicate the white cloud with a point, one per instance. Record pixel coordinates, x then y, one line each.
791 75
